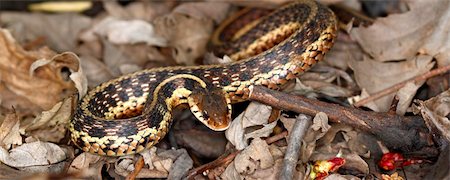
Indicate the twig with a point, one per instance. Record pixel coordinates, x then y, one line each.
397 132
299 129
137 168
225 160
221 161
277 137
396 87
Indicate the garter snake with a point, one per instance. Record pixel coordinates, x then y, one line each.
133 112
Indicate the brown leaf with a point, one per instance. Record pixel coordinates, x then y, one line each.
87 164
59 30
51 125
435 113
206 10
9 131
187 36
33 154
396 37
128 32
31 93
255 156
256 114
373 76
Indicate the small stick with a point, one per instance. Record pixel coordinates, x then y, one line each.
137 168
302 122
277 137
398 86
225 160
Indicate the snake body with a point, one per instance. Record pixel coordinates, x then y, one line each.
133 112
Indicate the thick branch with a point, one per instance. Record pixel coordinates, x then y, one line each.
397 132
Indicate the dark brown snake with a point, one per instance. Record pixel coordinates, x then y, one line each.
133 112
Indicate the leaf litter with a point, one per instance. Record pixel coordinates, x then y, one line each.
37 84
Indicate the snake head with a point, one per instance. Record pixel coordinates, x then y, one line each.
212 108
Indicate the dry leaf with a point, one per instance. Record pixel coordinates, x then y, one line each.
405 96
69 60
435 113
375 76
317 130
89 165
95 70
33 154
204 10
115 56
144 10
255 114
50 125
31 93
59 30
255 156
396 37
9 131
128 32
170 164
187 36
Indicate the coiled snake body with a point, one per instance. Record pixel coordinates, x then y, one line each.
133 112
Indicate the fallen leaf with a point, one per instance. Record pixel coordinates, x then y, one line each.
33 154
31 93
170 164
50 125
9 131
128 32
374 76
255 156
89 165
143 10
435 113
60 31
96 71
255 114
317 130
204 10
405 96
187 36
395 37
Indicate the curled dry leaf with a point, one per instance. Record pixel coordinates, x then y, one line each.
171 164
144 10
374 76
255 156
128 32
31 93
89 165
60 31
187 36
316 131
396 38
65 60
50 125
204 10
96 71
117 56
33 154
9 131
435 113
255 114
405 96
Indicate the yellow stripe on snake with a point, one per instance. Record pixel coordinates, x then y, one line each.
133 112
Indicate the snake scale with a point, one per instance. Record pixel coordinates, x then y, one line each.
133 112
